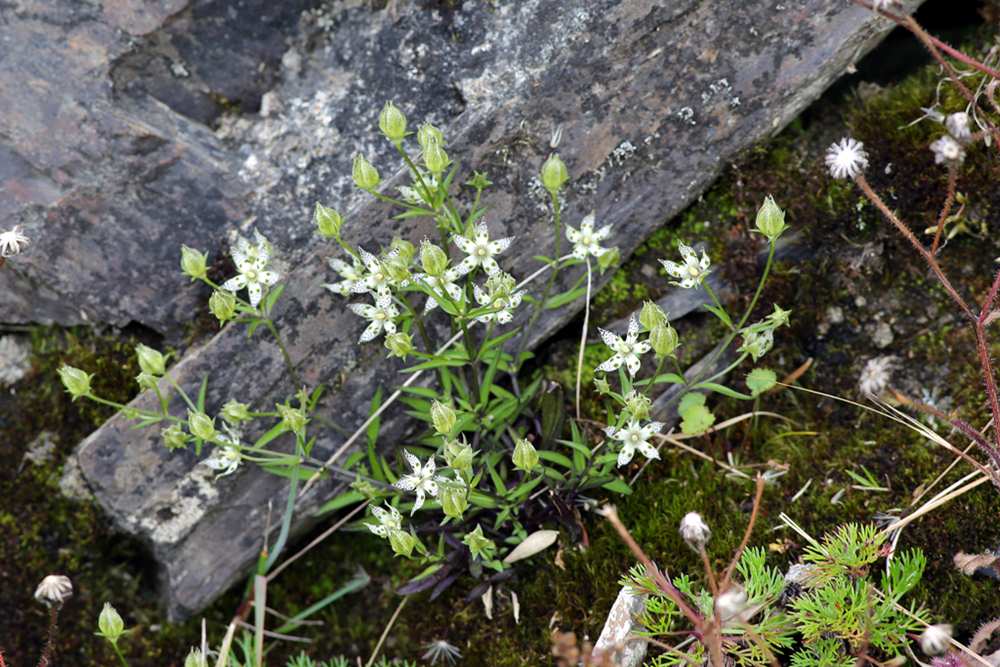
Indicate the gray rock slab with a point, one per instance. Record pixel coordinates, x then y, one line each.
653 97
618 641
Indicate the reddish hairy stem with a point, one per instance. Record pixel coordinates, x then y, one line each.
758 496
915 242
946 209
982 346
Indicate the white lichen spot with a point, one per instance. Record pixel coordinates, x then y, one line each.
15 360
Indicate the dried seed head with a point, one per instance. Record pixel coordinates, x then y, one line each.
54 590
936 639
695 531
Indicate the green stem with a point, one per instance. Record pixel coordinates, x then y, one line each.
292 373
474 371
760 286
118 652
718 304
659 367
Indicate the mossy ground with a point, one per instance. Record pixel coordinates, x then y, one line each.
859 265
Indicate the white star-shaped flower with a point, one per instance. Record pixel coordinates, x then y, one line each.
634 437
846 158
376 279
352 274
947 150
626 351
480 250
421 480
443 284
585 240
388 521
381 315
499 294
690 272
224 460
251 262
12 242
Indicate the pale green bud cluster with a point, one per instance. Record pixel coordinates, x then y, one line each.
402 542
433 259
110 624
150 361
235 412
444 418
770 220
294 419
482 547
664 340
454 498
399 344
222 304
554 174
201 425
365 175
174 437
459 455
435 158
194 263
392 122
638 405
652 316
525 456
195 659
328 221
608 259
76 382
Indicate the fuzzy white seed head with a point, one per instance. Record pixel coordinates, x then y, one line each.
959 126
876 374
731 604
846 158
936 639
695 531
12 242
54 590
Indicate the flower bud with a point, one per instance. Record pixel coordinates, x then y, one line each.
427 135
201 425
433 259
770 220
459 455
695 531
651 316
454 499
779 317
443 417
150 361
399 344
195 659
328 221
294 419
638 405
664 340
397 268
936 639
402 542
403 248
174 437
525 456
235 412
365 175
554 174
392 122
436 158
194 263
110 624
54 590
222 304
145 380
608 259
482 547
77 382
602 386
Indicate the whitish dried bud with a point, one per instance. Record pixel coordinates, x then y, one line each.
201 425
365 174
392 122
110 624
770 220
525 456
194 263
399 344
554 174
436 158
145 380
77 382
433 259
443 417
695 531
150 361
651 316
731 604
958 126
54 590
427 135
936 639
664 340
328 221
222 304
